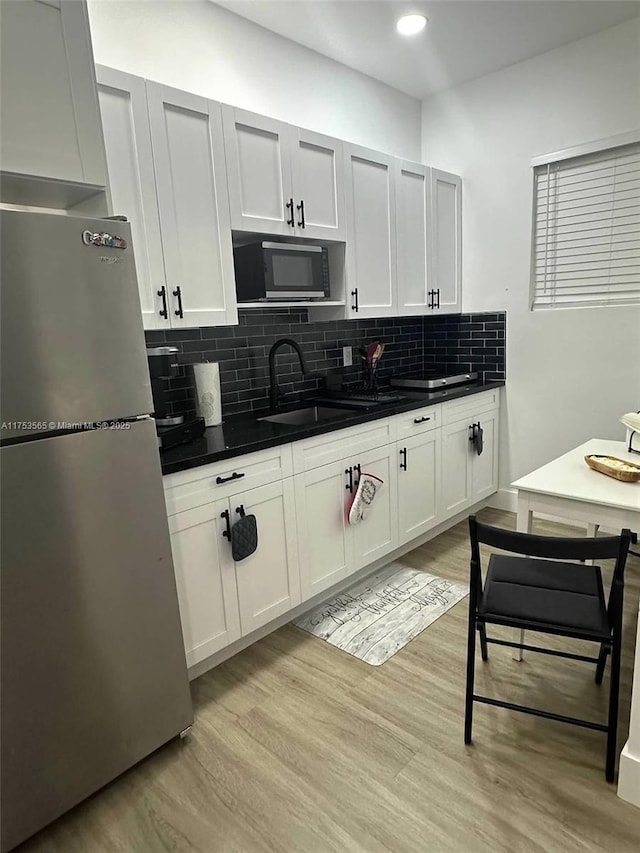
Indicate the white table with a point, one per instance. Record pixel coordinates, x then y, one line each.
569 489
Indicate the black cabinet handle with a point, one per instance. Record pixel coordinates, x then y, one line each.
178 312
240 511
234 476
291 220
227 531
421 420
438 297
359 470
349 473
163 293
300 207
354 304
403 454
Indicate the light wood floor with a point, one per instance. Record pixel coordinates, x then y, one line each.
299 747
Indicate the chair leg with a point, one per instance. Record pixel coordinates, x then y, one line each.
471 655
483 641
602 663
612 734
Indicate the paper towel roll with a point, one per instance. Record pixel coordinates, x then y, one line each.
208 394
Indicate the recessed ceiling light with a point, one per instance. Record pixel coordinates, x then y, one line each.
409 25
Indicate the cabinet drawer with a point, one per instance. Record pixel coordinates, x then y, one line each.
198 486
418 421
332 446
469 407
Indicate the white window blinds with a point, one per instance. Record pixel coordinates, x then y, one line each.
586 230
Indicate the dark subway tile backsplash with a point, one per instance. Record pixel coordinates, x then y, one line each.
461 342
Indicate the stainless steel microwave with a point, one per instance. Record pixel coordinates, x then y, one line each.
270 271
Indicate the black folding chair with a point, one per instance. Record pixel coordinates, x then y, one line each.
551 597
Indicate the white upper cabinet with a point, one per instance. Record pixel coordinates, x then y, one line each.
446 225
167 176
318 185
186 134
371 233
413 214
49 115
259 172
282 180
132 187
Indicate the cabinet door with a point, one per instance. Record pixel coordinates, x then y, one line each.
268 580
485 466
132 187
258 154
412 227
446 224
371 233
419 484
318 186
325 542
205 580
377 534
188 153
50 118
456 467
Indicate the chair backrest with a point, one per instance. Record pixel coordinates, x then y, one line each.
551 547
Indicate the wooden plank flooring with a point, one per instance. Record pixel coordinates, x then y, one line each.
299 747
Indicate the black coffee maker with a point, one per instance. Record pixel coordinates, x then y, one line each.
172 429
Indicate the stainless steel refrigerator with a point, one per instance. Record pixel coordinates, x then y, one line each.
93 673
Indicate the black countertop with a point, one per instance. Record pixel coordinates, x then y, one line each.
244 433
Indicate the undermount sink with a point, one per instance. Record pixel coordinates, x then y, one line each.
309 415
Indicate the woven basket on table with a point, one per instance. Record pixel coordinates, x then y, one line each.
620 469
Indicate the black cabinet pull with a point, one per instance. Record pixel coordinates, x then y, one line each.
354 303
438 298
163 293
349 473
300 207
421 420
403 454
359 470
291 220
240 511
178 292
227 532
234 476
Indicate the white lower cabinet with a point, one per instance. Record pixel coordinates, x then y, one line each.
331 548
221 600
268 581
466 476
206 581
419 460
300 495
377 533
325 543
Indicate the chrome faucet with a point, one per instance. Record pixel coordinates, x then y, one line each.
273 393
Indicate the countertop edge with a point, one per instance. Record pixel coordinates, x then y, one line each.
291 434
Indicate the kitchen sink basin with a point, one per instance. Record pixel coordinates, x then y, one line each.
309 415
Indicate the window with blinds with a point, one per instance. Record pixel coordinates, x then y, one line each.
586 230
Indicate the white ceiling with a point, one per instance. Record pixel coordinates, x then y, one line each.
463 40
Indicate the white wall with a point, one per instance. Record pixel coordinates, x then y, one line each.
199 47
570 373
